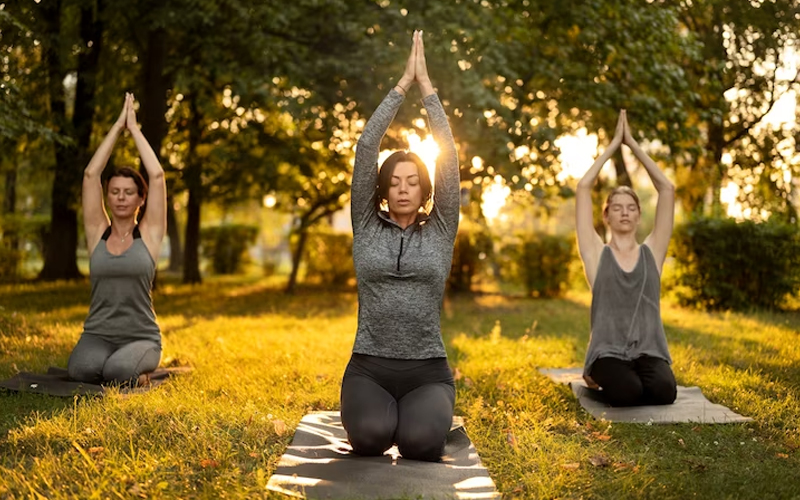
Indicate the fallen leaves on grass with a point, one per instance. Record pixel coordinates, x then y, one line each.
599 461
571 466
279 426
600 436
208 462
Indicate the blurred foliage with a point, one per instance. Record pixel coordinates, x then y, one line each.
724 264
540 262
270 97
330 258
227 245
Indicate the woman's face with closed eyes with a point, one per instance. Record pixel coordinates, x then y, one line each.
405 191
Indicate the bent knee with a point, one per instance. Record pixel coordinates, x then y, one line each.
421 444
663 392
623 396
370 437
83 371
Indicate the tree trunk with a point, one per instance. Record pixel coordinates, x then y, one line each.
173 232
10 234
297 255
193 180
623 177
60 259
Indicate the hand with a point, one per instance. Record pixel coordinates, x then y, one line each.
627 137
130 120
408 78
421 65
590 382
123 116
619 133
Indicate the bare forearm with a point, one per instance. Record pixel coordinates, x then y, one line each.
149 158
660 181
100 158
588 179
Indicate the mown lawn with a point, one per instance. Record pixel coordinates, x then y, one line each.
262 359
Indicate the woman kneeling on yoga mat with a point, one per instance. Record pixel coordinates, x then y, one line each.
121 340
627 354
398 388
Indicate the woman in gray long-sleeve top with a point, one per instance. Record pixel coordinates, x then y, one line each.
398 387
121 340
627 354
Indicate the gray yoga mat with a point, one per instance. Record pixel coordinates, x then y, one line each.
56 382
689 406
318 464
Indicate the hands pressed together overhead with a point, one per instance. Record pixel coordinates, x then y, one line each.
416 69
127 117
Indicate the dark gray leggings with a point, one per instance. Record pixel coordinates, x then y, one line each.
645 380
95 360
398 401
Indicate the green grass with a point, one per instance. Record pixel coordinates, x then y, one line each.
262 360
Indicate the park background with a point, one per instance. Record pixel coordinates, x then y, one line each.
255 109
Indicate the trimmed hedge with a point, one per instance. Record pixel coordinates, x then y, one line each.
724 264
540 262
226 246
329 258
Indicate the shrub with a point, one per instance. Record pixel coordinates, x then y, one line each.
226 246
724 264
21 238
329 258
473 250
540 262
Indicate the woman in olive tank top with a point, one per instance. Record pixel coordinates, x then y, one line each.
627 355
121 340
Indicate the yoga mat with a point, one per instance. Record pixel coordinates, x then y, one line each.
318 464
689 406
56 382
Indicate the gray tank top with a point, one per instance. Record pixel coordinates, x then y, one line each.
626 311
121 308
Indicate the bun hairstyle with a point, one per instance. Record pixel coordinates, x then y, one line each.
387 170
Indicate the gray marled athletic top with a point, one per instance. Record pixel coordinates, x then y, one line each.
626 311
121 308
401 273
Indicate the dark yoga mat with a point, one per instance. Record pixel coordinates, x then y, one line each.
318 464
690 405
56 382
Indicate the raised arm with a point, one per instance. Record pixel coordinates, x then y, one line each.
363 190
658 239
447 186
153 225
590 244
95 218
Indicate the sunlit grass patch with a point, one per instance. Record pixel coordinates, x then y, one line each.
262 359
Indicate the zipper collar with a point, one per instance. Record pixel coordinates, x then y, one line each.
422 219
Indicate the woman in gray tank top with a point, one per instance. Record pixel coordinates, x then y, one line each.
121 341
627 355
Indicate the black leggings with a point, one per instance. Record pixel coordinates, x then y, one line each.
643 381
408 402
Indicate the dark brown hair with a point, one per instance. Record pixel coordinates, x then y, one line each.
141 184
621 190
387 170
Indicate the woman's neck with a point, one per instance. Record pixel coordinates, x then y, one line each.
623 242
403 220
123 226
